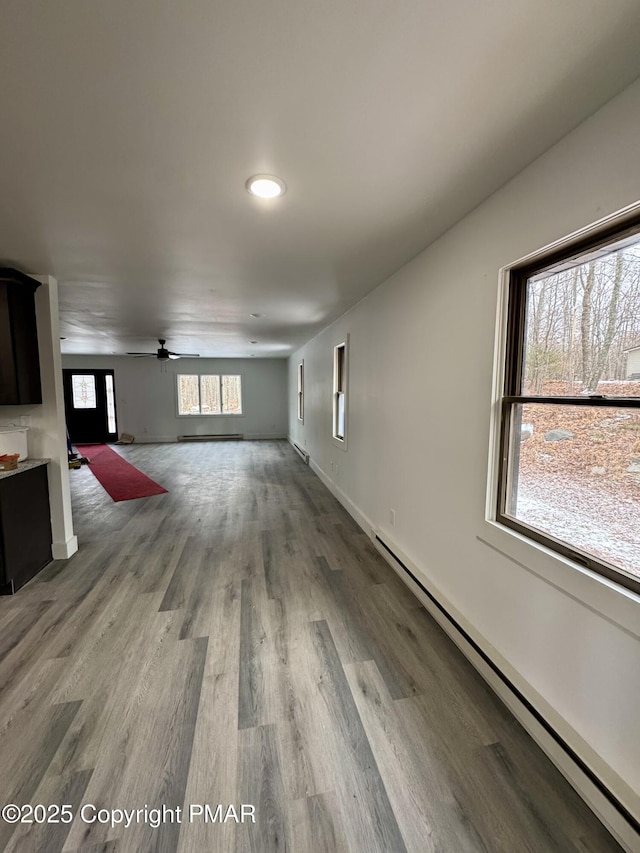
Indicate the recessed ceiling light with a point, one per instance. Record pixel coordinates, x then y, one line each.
253 342
255 315
266 186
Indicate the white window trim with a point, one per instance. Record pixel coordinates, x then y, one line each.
300 391
209 414
602 595
342 443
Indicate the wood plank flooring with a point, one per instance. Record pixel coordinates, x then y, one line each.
239 641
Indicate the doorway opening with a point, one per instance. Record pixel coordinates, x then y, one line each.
90 406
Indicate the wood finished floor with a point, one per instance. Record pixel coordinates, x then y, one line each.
239 640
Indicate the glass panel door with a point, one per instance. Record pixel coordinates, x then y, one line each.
90 405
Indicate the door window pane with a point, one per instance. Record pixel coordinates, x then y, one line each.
83 387
111 405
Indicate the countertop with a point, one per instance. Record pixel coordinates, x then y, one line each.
27 465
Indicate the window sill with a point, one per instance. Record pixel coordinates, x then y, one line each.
213 415
340 442
607 598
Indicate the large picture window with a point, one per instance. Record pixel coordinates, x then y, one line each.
209 394
570 433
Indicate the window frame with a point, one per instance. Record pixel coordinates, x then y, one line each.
202 414
300 396
584 248
340 389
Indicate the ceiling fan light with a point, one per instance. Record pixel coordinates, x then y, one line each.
266 186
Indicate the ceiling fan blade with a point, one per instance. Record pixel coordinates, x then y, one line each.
163 354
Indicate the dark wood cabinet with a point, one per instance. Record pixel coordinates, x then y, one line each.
19 357
25 527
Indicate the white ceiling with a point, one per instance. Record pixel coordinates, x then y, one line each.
130 128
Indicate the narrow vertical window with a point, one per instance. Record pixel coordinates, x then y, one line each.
340 392
301 391
188 395
111 404
210 395
231 395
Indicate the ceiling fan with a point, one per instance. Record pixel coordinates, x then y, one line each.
164 354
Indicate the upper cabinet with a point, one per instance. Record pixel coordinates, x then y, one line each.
19 357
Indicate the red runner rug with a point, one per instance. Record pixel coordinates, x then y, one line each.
117 476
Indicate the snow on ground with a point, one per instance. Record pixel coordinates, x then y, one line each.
588 516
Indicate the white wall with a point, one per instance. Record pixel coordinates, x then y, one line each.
420 409
46 438
146 401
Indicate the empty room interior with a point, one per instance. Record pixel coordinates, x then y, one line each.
320 426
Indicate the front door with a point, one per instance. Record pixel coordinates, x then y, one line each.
89 402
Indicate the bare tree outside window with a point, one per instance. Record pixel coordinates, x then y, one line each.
581 322
209 394
231 395
571 410
188 395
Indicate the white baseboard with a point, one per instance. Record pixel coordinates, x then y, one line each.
348 504
64 550
172 439
264 436
539 720
154 439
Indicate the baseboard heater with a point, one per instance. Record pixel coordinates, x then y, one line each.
560 741
230 436
301 453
